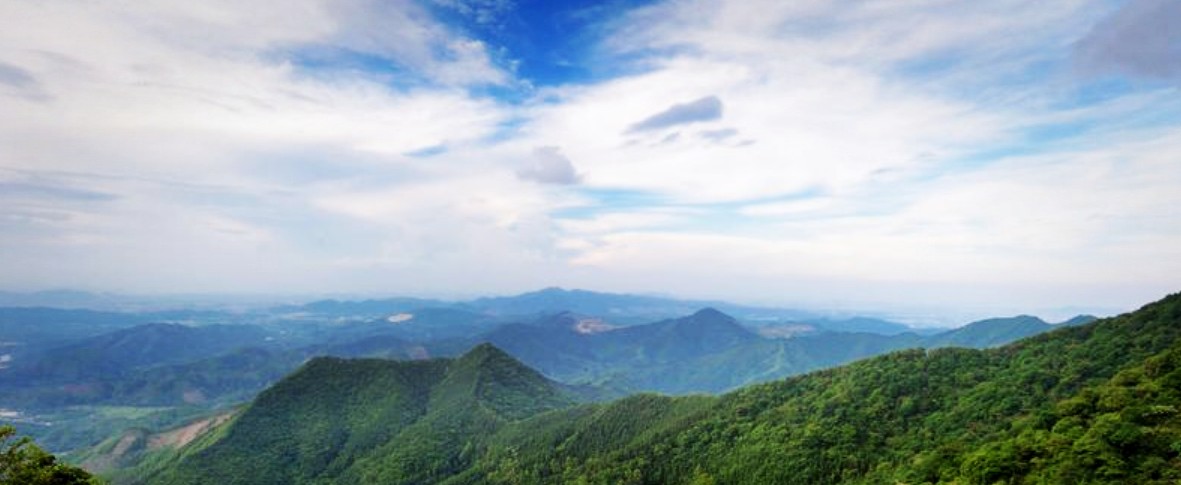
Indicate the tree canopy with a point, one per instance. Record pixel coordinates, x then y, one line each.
24 463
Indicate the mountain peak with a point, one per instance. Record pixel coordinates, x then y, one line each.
708 330
497 380
710 313
487 361
484 352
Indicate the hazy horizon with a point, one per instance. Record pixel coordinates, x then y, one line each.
930 158
918 316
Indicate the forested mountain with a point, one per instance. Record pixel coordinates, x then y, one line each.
80 376
1081 404
372 421
1096 403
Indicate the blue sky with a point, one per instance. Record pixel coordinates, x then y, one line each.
933 157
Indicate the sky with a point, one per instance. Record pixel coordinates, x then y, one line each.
988 157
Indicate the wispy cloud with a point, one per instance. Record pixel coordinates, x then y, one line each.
719 134
708 108
485 12
20 83
12 190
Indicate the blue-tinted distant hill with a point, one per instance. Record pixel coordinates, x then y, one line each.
619 309
29 328
146 345
710 351
862 324
999 331
623 309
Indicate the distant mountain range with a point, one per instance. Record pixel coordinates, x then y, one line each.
708 351
712 352
618 309
87 371
1087 403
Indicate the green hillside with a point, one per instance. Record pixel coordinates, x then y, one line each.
368 420
1089 404
1095 403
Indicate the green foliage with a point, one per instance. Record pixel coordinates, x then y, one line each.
1097 403
23 463
1125 430
370 420
1066 407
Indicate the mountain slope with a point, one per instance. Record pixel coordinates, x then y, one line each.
1095 403
371 421
909 417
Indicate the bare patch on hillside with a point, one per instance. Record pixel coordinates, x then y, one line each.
184 435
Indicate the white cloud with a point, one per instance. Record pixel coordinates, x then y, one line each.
839 101
549 166
811 125
864 147
171 107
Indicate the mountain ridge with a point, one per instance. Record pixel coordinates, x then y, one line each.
912 416
357 410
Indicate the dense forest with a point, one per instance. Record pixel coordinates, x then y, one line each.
1095 403
1090 404
370 421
